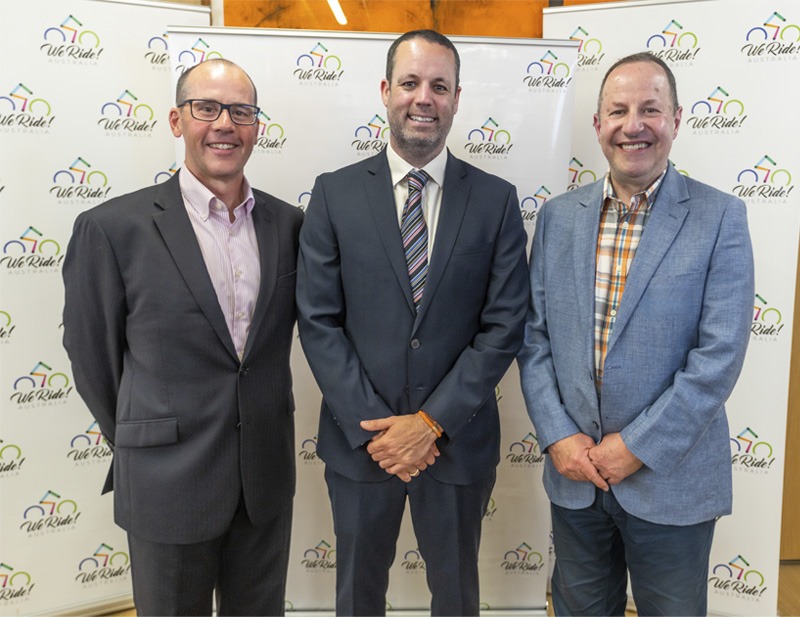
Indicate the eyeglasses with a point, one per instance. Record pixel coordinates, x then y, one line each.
208 111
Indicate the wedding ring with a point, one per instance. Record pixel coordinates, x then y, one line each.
415 474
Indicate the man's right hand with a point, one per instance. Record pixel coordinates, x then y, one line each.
571 458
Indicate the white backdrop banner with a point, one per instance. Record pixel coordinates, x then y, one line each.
730 72
84 93
320 96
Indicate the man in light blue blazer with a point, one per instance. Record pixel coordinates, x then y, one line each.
642 287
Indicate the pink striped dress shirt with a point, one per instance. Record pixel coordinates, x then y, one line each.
230 252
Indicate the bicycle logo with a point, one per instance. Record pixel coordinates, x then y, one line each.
27 103
63 29
752 445
201 47
527 445
12 580
320 555
55 506
491 133
159 41
92 434
739 572
769 172
317 59
107 557
46 379
9 451
163 176
85 175
737 107
679 39
381 130
778 29
539 198
579 176
36 244
552 65
760 314
133 108
584 44
266 129
523 552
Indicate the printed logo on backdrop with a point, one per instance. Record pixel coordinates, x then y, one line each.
674 44
776 40
371 138
164 175
412 562
42 387
308 451
737 579
7 327
522 560
80 184
126 116
198 52
717 114
71 42
11 459
157 54
22 111
767 321
319 558
103 566
766 182
303 199
491 510
89 447
547 74
590 49
31 253
579 175
525 452
319 67
489 141
15 585
530 205
750 453
52 514
271 135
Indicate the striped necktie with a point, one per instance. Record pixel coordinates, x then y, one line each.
414 232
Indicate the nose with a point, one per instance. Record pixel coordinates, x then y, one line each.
633 123
423 94
224 120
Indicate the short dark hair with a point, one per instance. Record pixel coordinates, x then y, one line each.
181 88
643 56
426 35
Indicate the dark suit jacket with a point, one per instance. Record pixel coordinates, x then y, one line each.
193 428
372 354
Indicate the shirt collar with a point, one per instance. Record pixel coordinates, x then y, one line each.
646 197
399 168
198 197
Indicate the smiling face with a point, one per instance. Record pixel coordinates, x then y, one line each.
635 125
216 152
421 100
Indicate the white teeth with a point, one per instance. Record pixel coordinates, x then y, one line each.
633 146
421 118
222 146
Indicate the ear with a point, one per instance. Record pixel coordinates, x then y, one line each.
678 115
385 91
175 121
596 124
457 98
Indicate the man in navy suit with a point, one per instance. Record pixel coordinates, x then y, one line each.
642 290
412 294
178 319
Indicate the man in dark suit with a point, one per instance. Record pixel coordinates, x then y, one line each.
178 321
411 297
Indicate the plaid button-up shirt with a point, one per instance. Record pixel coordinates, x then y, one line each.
621 228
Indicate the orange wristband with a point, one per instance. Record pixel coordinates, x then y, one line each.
433 424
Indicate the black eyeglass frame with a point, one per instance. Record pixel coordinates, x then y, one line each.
222 107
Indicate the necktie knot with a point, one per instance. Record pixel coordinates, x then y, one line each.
417 178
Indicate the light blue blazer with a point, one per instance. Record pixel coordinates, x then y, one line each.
675 352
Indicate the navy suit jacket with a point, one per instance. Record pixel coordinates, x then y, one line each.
674 354
193 427
372 354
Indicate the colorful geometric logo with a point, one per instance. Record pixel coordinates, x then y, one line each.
48 506
525 452
523 559
719 99
5 326
36 244
320 557
774 28
40 377
318 66
21 99
308 450
82 175
89 446
104 554
531 204
71 31
771 174
158 47
774 40
580 176
374 129
590 49
163 176
199 51
14 584
488 139
11 458
127 105
679 38
736 577
548 64
747 442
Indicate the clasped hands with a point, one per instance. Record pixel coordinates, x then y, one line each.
609 462
403 446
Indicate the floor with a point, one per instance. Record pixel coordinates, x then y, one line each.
788 593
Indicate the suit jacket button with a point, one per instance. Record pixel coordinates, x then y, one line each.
415 343
244 370
238 425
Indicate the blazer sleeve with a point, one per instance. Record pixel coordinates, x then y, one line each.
536 367
94 320
479 368
321 317
664 433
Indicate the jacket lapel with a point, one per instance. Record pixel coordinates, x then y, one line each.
585 229
173 223
267 238
666 219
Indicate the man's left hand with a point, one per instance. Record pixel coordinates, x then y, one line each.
613 460
402 443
